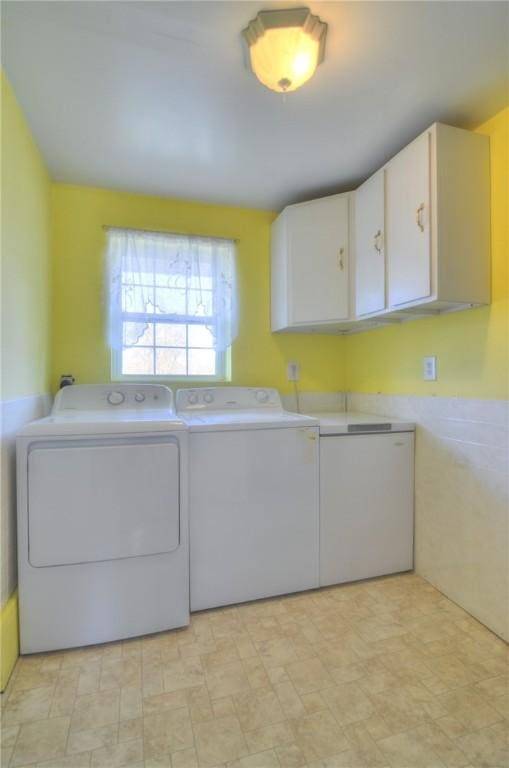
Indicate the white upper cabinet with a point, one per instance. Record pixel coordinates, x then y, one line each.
310 253
370 245
408 216
420 241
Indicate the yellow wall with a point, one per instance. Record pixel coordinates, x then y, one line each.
9 647
471 346
25 305
79 347
25 257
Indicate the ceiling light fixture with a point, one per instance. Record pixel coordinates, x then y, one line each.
285 47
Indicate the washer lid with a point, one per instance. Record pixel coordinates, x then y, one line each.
100 423
221 421
351 423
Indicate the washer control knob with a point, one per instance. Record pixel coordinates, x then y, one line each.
208 397
139 397
262 395
115 398
192 398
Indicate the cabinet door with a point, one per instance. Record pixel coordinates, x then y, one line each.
318 260
369 246
408 241
366 506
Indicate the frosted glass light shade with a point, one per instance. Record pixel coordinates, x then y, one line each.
285 47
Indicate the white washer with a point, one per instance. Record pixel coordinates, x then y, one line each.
366 496
253 495
103 546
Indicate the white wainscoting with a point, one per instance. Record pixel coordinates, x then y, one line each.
14 415
461 497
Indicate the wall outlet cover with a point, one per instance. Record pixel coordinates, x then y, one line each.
293 371
429 368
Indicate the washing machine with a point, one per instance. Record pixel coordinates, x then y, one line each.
254 495
103 544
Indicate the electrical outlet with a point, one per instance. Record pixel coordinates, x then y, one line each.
293 371
429 368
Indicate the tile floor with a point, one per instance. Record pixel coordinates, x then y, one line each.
381 673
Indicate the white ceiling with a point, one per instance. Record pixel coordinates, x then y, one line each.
156 97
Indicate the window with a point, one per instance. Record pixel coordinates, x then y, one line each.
172 309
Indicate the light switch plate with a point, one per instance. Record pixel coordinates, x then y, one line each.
429 368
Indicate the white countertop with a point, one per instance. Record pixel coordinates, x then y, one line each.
350 422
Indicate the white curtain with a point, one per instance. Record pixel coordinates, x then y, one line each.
153 276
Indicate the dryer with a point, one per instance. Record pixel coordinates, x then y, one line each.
254 487
103 547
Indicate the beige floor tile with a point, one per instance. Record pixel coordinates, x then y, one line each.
131 702
487 747
71 761
451 727
34 677
122 672
406 707
336 655
226 653
200 704
313 702
319 735
348 703
277 675
257 709
185 758
125 753
219 741
185 673
289 699
224 706
364 752
95 709
267 759
389 661
403 750
227 679
25 705
469 708
40 740
290 756
493 687
152 705
130 729
256 672
167 732
501 704
277 652
161 761
94 738
431 736
64 698
271 736
309 675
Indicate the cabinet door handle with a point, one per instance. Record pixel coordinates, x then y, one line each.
340 259
418 217
376 241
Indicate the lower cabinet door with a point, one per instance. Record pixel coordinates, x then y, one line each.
366 506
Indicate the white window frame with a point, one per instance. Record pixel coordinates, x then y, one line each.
223 358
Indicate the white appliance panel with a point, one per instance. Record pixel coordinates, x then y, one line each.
89 502
254 528
366 506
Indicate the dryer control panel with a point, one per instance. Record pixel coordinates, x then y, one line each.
98 397
228 398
